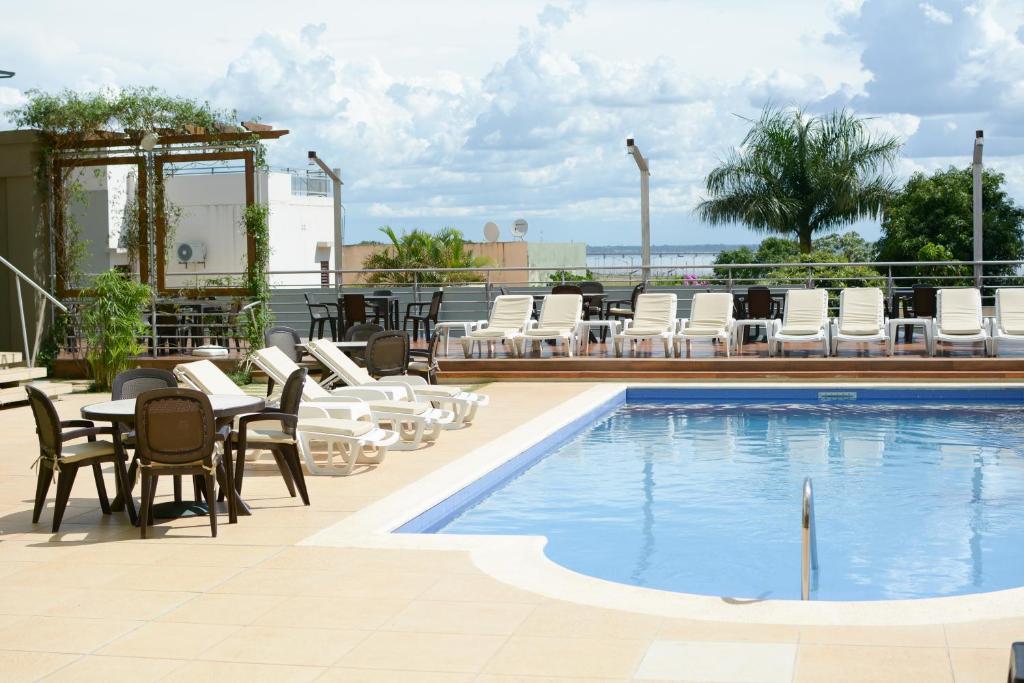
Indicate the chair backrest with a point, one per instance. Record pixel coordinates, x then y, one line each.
284 338
759 303
655 311
711 310
47 420
637 291
959 310
591 287
510 312
561 311
353 307
925 304
346 368
806 311
1010 309
131 383
387 354
382 292
174 427
434 311
207 377
362 331
861 310
567 289
291 393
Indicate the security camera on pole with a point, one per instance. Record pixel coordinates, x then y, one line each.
645 207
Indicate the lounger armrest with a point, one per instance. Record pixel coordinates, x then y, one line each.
313 411
408 380
626 324
681 325
530 325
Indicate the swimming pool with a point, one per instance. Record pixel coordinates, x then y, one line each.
918 493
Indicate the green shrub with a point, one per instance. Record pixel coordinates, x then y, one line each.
112 324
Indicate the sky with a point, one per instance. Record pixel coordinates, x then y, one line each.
457 113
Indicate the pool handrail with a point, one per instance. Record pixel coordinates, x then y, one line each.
809 540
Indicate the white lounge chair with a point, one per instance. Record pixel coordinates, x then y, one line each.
958 318
710 318
654 318
509 317
861 317
559 317
463 403
416 423
1008 323
804 320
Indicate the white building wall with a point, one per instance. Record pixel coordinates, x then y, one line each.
297 224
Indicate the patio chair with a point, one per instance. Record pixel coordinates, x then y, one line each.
463 403
958 318
60 460
653 318
387 354
923 304
861 317
414 312
710 319
176 433
760 306
361 332
805 320
1008 323
286 339
509 317
559 320
415 422
423 362
319 315
623 309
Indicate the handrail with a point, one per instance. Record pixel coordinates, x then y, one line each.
809 540
29 358
32 282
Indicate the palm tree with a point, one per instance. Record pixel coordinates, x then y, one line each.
799 175
420 249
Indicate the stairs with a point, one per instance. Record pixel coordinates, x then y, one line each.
14 374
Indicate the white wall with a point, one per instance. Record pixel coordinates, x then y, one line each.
297 223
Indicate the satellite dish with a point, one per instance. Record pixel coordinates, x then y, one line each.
491 231
519 228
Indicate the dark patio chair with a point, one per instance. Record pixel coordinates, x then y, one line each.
382 309
57 459
176 433
593 305
387 354
567 289
361 332
923 305
760 306
286 339
319 315
353 311
423 362
280 438
414 312
622 309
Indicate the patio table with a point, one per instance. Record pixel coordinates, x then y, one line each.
122 412
926 323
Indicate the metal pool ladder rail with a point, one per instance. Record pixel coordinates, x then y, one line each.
809 541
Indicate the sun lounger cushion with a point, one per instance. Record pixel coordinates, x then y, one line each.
655 314
805 312
548 332
710 311
337 427
860 311
702 331
406 407
959 311
509 314
1010 309
209 378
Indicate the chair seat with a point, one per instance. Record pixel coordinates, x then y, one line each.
491 333
253 435
800 331
859 331
336 427
84 451
419 366
960 331
406 407
545 332
703 331
644 331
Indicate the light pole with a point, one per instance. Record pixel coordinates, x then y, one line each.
645 207
977 167
339 228
6 74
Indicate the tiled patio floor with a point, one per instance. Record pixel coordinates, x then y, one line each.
94 602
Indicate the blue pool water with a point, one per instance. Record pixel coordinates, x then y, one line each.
914 497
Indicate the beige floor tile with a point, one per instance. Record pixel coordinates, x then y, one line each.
217 555
563 619
169 640
894 636
16 667
117 604
997 633
681 629
423 652
343 675
979 666
60 634
104 669
581 657
366 560
285 645
69 574
243 672
860 664
496 678
174 578
212 608
717 662
478 588
386 585
260 581
28 600
336 613
485 618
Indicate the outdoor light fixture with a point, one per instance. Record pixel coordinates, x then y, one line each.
6 74
339 231
645 207
977 167
148 141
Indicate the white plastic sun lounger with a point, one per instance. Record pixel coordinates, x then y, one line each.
509 317
1008 323
654 318
710 318
416 423
559 317
805 320
958 318
463 403
861 317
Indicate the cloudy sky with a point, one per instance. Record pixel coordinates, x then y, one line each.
457 112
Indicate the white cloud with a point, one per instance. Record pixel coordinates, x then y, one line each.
935 14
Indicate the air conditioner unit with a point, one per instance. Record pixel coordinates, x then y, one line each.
191 252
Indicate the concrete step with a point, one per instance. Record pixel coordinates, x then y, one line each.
17 394
12 376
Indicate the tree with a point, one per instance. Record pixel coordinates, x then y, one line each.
421 250
798 175
932 219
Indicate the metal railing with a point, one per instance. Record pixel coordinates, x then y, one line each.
30 357
808 541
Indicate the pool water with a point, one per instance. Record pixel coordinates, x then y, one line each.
912 500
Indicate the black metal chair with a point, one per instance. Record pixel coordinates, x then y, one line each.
361 332
382 309
319 316
414 312
60 460
353 311
760 306
567 289
387 354
176 433
279 439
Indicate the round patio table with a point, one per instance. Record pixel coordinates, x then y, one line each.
122 412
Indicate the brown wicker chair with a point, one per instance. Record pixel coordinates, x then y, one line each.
387 354
175 432
58 458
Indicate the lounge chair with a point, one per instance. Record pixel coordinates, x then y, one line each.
559 318
510 314
805 320
861 317
958 318
1008 324
710 319
412 388
414 422
653 318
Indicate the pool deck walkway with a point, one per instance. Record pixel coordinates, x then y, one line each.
95 602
